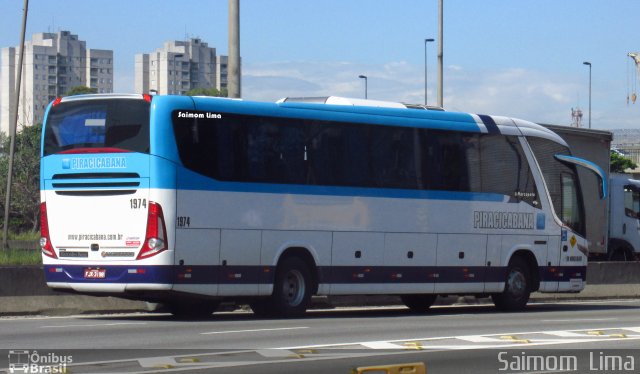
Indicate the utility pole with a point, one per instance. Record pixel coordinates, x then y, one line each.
425 70
440 20
589 65
233 85
12 129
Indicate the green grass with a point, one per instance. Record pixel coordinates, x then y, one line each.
26 236
20 257
19 253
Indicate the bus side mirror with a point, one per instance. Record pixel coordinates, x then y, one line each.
595 169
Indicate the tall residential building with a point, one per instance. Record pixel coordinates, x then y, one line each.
53 64
179 67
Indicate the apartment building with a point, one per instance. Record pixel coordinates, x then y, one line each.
53 64
180 66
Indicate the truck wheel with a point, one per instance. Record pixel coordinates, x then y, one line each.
291 291
517 288
619 253
419 303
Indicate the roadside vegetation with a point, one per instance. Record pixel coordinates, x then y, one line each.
620 163
20 257
24 221
23 250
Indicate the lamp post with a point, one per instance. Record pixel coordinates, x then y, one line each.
425 68
589 64
365 84
12 131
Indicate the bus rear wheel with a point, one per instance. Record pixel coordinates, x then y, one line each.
291 291
419 303
517 287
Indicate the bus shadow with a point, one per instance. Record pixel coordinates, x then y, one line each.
391 311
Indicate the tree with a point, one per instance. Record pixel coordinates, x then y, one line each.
81 90
25 189
619 163
207 92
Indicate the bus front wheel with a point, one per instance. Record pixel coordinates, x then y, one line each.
517 287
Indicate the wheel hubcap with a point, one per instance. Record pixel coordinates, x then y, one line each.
293 288
517 283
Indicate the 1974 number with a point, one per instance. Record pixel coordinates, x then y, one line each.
138 203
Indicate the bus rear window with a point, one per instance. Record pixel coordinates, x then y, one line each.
112 125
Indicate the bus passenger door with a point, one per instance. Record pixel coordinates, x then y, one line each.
573 254
548 277
461 263
571 274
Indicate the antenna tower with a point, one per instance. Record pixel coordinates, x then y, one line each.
576 117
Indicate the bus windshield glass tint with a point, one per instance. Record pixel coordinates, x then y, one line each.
121 124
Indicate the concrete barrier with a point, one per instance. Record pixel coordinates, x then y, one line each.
23 290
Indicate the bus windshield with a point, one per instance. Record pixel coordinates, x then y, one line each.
120 125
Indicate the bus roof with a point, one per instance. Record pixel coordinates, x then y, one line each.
357 110
503 125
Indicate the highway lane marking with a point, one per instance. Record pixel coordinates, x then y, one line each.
580 320
478 339
95 325
382 345
570 337
253 330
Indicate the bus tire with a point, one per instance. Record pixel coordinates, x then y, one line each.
291 290
193 309
517 287
419 303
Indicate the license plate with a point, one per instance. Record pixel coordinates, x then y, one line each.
95 273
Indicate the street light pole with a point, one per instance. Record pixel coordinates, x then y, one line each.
233 64
425 69
589 64
365 84
440 53
13 129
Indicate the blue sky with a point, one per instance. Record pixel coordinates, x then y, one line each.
507 57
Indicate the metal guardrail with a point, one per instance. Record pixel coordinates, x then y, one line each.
23 244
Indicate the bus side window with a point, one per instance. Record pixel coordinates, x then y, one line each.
445 165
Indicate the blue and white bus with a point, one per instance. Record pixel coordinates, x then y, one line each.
191 201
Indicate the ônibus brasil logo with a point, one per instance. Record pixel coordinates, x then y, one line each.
24 361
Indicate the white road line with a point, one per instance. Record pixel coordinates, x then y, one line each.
95 325
579 320
478 339
583 338
566 334
383 345
254 330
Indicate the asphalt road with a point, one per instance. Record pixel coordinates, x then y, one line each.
593 336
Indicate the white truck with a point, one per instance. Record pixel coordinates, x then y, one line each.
613 224
624 217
